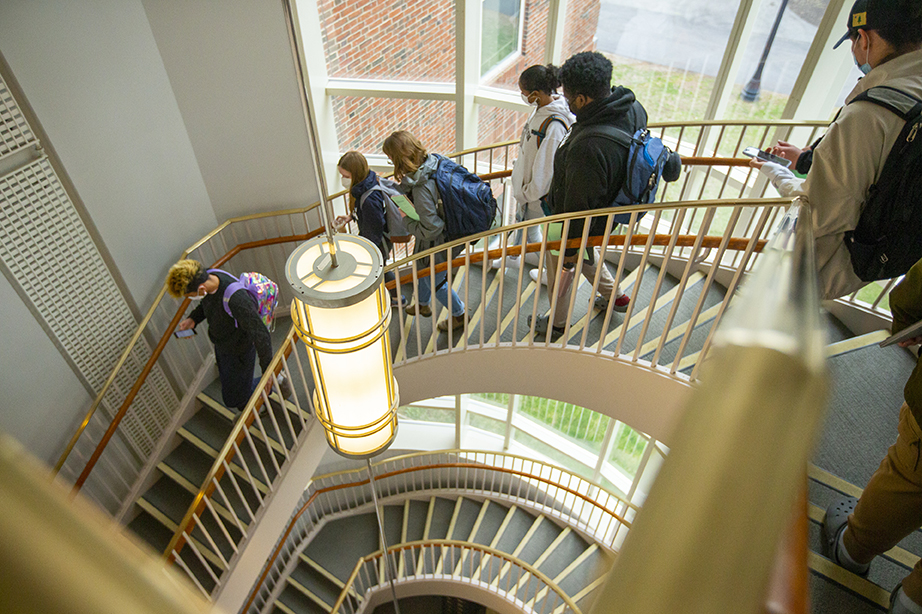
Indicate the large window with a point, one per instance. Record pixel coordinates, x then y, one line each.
580 440
500 32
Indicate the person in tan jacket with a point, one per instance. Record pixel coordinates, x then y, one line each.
886 42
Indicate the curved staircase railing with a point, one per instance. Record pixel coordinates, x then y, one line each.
508 577
594 511
705 241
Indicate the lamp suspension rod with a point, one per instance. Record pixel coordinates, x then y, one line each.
310 120
388 564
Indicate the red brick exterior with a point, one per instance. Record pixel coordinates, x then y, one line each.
415 40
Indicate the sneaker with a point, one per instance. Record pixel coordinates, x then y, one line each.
424 310
532 258
542 324
285 387
900 603
534 276
834 524
511 263
456 322
621 303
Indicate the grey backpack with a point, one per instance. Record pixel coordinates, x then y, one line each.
394 224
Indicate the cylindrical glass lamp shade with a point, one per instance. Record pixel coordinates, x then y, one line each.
342 316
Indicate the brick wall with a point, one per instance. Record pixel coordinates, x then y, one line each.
415 40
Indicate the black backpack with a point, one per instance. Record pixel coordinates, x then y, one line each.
888 238
467 202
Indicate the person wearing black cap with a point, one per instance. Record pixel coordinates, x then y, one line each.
237 340
886 42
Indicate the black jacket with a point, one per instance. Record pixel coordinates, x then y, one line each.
370 215
224 332
590 170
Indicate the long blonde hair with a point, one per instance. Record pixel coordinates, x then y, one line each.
405 151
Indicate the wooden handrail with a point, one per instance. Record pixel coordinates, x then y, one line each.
271 560
155 355
707 242
226 454
461 545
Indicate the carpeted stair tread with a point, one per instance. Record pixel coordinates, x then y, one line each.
543 537
465 520
590 568
441 517
416 521
342 542
298 602
318 584
490 523
515 531
565 553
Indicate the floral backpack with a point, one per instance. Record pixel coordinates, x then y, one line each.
263 289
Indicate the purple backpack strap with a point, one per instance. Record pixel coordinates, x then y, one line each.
229 291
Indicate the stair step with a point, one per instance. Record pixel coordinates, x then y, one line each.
153 532
188 466
318 583
296 600
342 542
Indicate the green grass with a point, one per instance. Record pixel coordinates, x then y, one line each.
498 38
583 427
671 94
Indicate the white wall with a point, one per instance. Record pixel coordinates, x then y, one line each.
93 76
233 75
168 117
42 398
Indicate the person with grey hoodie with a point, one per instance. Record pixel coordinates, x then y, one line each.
543 132
415 169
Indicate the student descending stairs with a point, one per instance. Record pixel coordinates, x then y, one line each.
865 396
178 477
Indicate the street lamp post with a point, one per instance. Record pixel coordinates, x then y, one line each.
751 90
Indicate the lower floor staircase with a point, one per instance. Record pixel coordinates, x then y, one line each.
574 564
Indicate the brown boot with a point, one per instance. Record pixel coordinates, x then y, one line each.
454 321
423 310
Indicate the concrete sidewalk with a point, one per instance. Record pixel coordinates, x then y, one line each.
692 35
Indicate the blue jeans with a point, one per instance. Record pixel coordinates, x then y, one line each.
441 293
441 286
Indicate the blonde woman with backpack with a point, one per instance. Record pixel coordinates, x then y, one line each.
546 127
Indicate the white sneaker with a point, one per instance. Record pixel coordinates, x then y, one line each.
512 262
532 258
534 275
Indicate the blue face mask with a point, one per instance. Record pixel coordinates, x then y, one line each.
864 68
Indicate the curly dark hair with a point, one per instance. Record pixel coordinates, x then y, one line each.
539 78
587 73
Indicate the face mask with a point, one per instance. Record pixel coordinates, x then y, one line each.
526 101
347 183
864 68
197 297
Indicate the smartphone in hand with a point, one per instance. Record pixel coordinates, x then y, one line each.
183 334
755 152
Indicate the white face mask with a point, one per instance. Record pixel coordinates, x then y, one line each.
347 183
197 297
526 101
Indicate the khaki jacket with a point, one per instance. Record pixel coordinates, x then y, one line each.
846 163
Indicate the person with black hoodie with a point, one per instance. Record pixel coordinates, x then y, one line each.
589 170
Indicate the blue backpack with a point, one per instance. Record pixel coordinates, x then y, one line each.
647 157
467 202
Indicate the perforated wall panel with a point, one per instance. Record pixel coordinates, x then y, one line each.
54 261
15 132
